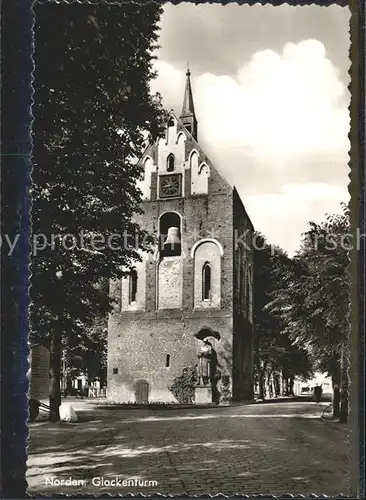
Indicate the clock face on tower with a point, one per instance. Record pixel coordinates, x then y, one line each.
170 185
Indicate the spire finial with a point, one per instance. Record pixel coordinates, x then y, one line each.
188 115
188 106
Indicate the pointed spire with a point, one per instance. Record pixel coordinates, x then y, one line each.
188 106
188 115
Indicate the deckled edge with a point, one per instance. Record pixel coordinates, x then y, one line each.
285 496
30 206
347 353
354 171
356 374
275 3
16 144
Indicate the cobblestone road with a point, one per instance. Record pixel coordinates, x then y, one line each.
272 448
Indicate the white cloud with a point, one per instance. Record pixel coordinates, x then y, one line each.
170 84
314 191
278 103
281 111
293 206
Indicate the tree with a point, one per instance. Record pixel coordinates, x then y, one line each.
92 107
266 325
314 299
274 351
294 361
88 352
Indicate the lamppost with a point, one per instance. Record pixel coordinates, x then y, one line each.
55 354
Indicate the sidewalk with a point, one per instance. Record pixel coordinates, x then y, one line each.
88 409
224 450
84 408
301 399
327 415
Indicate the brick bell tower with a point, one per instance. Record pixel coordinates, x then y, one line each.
196 285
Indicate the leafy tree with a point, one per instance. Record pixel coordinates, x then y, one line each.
88 352
294 361
266 326
314 300
274 351
92 107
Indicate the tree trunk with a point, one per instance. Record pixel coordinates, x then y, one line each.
336 395
261 385
270 384
103 378
68 384
55 370
343 414
261 369
283 384
287 391
291 385
280 381
286 387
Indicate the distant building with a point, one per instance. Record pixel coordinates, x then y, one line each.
201 286
80 382
303 387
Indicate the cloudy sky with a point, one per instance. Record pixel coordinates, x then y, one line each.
270 91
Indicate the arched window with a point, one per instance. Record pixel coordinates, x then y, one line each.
167 361
206 281
170 234
170 163
132 286
169 134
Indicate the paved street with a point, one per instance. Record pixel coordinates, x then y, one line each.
273 448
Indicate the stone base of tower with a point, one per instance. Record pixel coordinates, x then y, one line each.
202 395
122 394
148 351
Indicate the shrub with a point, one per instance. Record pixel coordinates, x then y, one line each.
183 386
225 389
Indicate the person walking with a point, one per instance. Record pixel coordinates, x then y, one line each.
318 391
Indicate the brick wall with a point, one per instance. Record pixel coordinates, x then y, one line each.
138 346
170 271
243 338
140 340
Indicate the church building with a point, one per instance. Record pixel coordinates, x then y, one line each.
197 285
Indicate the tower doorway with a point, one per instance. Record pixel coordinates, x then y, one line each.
142 392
